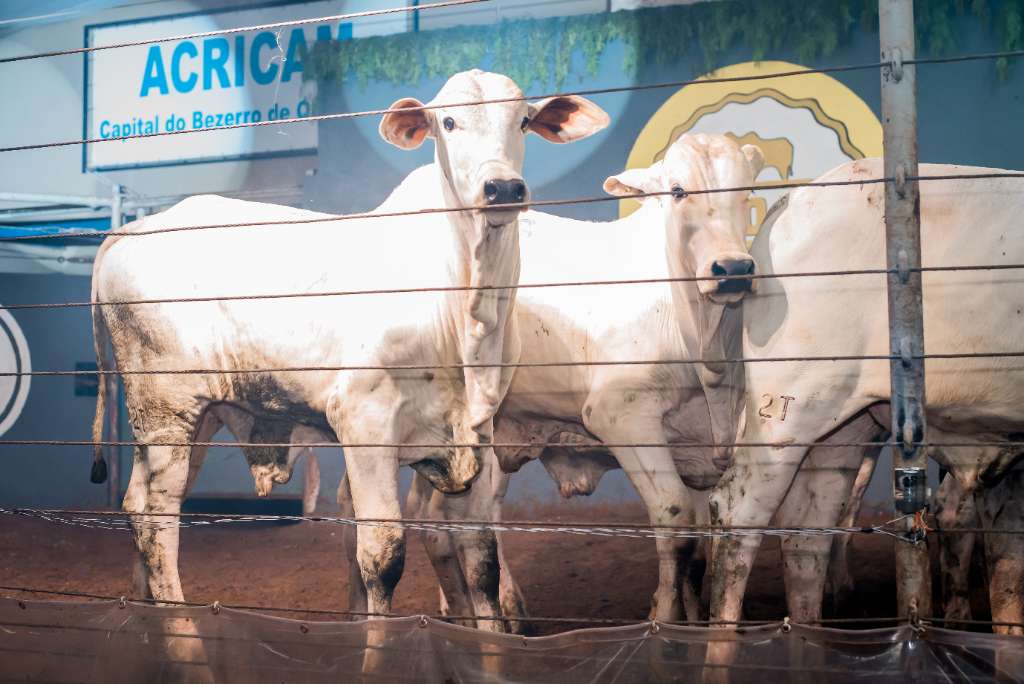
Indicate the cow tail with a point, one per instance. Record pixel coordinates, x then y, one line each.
101 342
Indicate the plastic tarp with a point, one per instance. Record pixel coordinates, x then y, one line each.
113 642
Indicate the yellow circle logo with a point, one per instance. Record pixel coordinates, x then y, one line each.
805 125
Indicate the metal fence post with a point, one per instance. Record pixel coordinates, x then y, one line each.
113 396
906 324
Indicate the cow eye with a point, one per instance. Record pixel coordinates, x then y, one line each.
449 123
678 192
524 124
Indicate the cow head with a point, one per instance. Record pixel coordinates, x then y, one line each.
479 148
479 151
706 231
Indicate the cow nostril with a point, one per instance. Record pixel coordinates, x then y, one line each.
491 191
718 270
519 191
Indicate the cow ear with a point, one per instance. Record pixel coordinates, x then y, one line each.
566 118
754 157
406 129
632 182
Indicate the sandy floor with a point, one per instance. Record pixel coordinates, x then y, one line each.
302 565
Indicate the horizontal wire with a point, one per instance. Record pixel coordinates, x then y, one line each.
341 217
505 445
966 58
471 103
509 364
349 613
587 92
504 618
514 205
140 520
964 621
240 29
520 286
532 524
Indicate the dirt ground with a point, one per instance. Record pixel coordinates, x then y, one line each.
302 565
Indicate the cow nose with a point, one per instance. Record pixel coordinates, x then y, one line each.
501 191
732 267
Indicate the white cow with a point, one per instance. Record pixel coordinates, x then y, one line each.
583 406
962 223
479 154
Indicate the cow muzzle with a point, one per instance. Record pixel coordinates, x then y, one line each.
728 278
501 186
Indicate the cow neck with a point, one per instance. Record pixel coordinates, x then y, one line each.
708 330
484 256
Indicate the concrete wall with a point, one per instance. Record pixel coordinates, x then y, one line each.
966 116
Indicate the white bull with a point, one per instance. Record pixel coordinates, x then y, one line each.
964 223
479 154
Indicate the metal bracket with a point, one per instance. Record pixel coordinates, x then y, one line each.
906 352
910 490
903 266
900 181
896 65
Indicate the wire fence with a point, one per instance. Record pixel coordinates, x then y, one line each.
516 364
486 288
120 521
243 29
125 520
318 118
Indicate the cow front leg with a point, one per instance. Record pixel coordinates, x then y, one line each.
425 502
356 588
380 548
477 549
652 471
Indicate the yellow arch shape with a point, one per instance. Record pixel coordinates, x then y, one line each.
830 102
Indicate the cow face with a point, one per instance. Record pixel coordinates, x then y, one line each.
706 232
480 147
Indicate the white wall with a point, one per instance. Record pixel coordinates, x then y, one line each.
43 102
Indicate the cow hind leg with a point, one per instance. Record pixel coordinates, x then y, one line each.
840 580
817 498
159 482
1002 508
